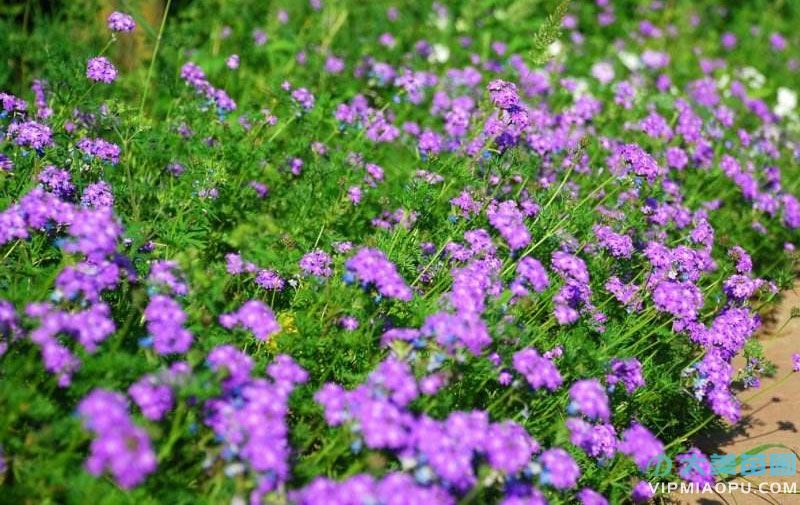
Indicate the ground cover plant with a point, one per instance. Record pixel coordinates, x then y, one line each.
385 252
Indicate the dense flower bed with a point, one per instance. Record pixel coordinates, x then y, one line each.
353 252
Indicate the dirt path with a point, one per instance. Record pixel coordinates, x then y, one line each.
771 417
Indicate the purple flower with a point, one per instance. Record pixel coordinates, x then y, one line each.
641 446
10 328
510 222
304 98
121 22
349 323
642 164
591 497
259 37
165 320
194 76
5 163
235 364
11 103
598 441
97 195
166 274
119 446
620 246
395 488
728 40
100 69
642 492
100 148
559 469
695 468
777 41
317 263
267 279
589 398
58 181
626 371
31 134
334 65
153 399
681 299
503 94
509 447
371 267
43 111
254 315
539 371
249 418
354 194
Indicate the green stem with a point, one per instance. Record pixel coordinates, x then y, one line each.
153 60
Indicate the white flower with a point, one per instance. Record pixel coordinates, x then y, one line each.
439 54
555 48
787 102
630 60
753 77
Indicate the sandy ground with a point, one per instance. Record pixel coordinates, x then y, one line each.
770 415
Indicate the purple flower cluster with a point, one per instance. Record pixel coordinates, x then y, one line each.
695 468
165 320
596 440
303 98
249 418
30 134
588 397
12 104
371 267
507 218
97 195
540 372
100 69
43 111
166 274
626 294
632 157
10 329
620 246
99 148
443 450
559 469
6 164
194 76
377 124
639 444
254 315
576 294
266 279
317 263
153 392
628 372
119 446
395 488
57 181
92 233
121 22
